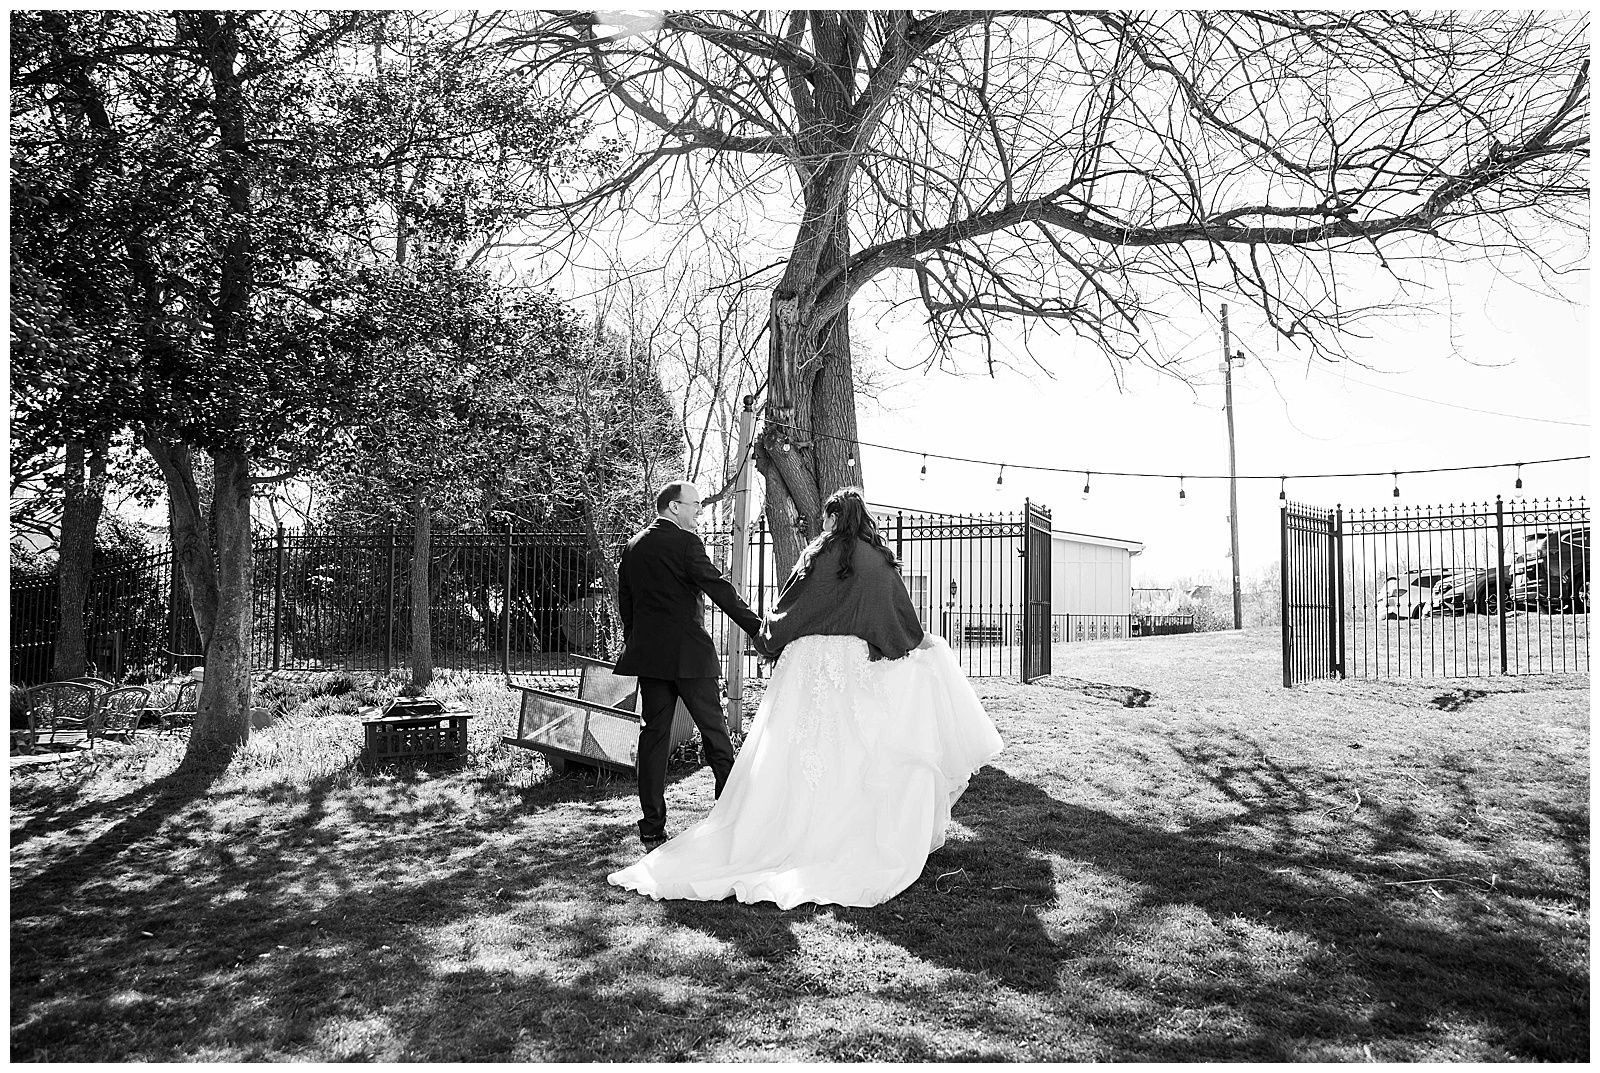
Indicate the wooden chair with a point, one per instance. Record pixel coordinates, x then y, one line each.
597 728
59 714
117 712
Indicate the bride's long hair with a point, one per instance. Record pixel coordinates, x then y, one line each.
854 523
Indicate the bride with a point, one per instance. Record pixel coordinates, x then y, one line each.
866 737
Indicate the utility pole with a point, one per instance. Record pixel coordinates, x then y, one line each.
1228 358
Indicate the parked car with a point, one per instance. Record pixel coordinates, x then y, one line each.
1552 573
1411 599
1473 590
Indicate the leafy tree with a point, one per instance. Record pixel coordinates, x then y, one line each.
451 399
534 420
213 185
1090 170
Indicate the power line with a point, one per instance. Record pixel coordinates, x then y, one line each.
1177 476
1458 406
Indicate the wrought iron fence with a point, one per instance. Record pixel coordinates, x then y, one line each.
516 602
1440 591
129 620
1468 590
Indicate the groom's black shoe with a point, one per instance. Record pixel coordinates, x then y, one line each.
652 841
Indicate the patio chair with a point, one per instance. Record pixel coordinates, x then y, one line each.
58 713
117 712
179 711
93 682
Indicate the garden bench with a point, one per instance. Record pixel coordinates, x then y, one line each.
598 728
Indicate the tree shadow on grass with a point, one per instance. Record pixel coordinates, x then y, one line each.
144 809
1401 976
321 926
324 909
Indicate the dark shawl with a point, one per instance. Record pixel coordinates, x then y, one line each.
871 603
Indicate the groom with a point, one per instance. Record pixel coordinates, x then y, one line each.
663 573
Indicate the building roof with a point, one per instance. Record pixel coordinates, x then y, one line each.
1134 546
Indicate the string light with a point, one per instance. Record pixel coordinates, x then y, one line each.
1397 486
1085 485
785 446
998 481
924 474
851 461
1181 495
1168 476
1281 493
1519 475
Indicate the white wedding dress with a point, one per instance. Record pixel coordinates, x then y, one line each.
842 787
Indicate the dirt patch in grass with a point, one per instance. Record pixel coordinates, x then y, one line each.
1343 871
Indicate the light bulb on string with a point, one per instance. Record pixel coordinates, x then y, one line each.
1181 494
1397 486
1085 486
1001 479
1281 494
785 446
924 474
850 463
1519 475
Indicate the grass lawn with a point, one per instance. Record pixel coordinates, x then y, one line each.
1174 858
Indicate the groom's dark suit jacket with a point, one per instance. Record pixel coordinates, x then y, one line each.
660 583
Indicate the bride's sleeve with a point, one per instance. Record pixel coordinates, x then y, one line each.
777 627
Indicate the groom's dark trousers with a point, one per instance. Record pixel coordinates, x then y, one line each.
662 583
660 703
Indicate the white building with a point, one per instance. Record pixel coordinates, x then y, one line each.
1091 575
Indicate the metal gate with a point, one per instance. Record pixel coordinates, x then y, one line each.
1313 622
1036 592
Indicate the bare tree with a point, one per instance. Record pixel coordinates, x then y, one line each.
1087 169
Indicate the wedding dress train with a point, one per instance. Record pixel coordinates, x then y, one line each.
843 786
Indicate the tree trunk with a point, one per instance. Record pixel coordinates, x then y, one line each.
223 722
810 396
811 406
421 626
191 527
219 583
80 517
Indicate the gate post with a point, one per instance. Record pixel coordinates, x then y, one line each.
1500 597
1336 583
505 610
1283 590
1027 589
277 605
388 624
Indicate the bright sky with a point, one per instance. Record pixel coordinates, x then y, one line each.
1505 350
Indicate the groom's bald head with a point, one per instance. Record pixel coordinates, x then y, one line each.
679 502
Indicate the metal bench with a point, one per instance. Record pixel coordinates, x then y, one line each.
73 714
597 728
